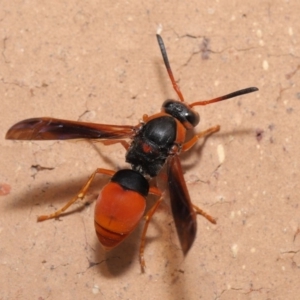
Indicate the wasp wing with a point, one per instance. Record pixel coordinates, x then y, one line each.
59 129
182 208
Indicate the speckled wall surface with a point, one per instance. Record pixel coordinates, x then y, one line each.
99 61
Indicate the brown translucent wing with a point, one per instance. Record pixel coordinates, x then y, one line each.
58 129
182 209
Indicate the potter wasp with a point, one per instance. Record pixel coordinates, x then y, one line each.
154 142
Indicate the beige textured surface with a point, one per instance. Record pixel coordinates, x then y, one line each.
99 61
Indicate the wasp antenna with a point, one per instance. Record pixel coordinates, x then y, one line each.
225 97
159 29
167 64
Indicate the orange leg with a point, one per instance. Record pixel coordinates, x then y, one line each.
80 195
201 212
148 216
188 145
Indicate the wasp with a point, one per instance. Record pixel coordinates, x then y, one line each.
154 142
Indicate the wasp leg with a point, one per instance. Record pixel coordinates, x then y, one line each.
188 145
201 212
80 195
148 216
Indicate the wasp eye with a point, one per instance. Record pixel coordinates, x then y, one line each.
182 112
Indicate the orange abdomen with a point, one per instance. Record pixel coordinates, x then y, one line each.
117 213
